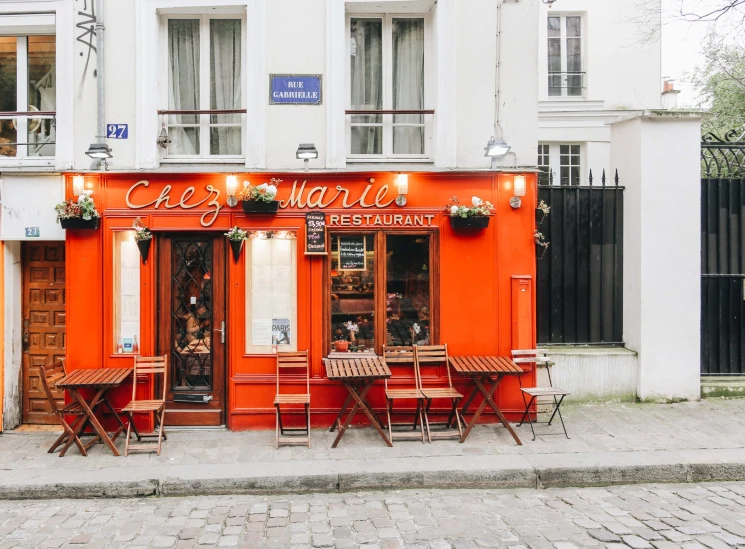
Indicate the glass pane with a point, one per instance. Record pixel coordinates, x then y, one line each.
554 66
42 94
367 140
574 149
554 27
225 84
8 91
126 293
408 73
191 314
407 290
352 292
408 140
563 149
366 64
574 26
183 82
575 175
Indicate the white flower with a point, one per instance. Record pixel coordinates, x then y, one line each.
453 210
263 186
246 184
475 200
272 189
416 328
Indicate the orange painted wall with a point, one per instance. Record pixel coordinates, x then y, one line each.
477 270
2 331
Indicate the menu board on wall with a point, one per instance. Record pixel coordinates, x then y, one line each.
352 253
315 233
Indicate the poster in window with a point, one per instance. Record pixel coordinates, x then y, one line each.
281 331
352 253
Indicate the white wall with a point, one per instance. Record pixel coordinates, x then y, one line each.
12 336
659 155
28 201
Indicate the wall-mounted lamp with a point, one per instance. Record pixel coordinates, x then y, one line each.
496 148
518 190
402 187
305 152
231 186
78 185
100 151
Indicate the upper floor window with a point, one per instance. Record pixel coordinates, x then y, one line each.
205 74
387 73
565 75
27 87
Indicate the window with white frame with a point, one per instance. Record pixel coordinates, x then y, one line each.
28 85
560 159
565 75
205 73
387 72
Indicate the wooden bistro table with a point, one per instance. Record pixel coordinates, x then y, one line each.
485 371
358 375
100 379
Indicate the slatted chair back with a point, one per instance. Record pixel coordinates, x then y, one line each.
290 363
539 357
49 377
432 355
150 365
396 357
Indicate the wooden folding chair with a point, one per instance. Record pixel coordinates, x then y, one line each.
288 364
49 377
399 358
540 358
147 365
438 354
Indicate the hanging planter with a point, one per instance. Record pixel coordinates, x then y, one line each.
143 238
258 206
236 237
473 222
236 246
80 223
144 247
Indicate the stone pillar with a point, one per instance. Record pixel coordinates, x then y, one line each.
657 155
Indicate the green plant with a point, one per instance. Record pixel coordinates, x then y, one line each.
236 234
263 193
83 208
479 207
141 231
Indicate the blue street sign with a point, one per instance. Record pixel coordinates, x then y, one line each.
295 89
117 131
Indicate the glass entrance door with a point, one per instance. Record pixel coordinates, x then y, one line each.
191 323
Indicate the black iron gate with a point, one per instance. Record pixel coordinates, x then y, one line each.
723 254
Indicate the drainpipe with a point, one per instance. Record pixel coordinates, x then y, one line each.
100 120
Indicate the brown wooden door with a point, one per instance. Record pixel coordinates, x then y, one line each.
43 306
191 312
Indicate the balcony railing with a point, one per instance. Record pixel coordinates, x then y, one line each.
566 84
41 128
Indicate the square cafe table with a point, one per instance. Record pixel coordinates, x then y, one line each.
358 375
100 379
485 370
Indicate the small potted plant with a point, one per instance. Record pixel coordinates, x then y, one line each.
341 345
475 216
80 214
352 328
143 238
236 237
259 199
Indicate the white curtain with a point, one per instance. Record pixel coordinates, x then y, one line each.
183 83
225 87
366 59
408 84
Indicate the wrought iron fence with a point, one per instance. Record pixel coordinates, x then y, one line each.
723 254
580 277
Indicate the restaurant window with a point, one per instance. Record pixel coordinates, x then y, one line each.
380 283
565 75
387 69
28 84
271 292
126 293
205 69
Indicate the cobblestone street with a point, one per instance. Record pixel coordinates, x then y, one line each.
641 517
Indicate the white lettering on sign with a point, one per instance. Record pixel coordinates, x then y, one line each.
210 200
316 197
295 95
381 220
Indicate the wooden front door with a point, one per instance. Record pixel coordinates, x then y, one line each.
191 315
43 306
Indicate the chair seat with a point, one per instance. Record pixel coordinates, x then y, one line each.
292 399
74 408
545 391
441 392
144 406
403 393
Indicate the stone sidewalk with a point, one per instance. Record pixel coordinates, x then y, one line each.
610 444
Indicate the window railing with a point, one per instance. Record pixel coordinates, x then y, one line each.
384 127
41 128
214 126
566 84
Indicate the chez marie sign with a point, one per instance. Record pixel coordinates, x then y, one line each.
140 196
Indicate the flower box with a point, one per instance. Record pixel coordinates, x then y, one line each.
259 206
80 223
472 222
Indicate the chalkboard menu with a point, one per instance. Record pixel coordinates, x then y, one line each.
352 253
315 233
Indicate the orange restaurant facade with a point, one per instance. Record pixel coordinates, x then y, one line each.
388 267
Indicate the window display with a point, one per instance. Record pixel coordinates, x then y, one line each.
126 293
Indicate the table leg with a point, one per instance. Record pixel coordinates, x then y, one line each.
489 399
77 429
467 402
341 412
94 420
359 403
479 410
122 427
368 412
